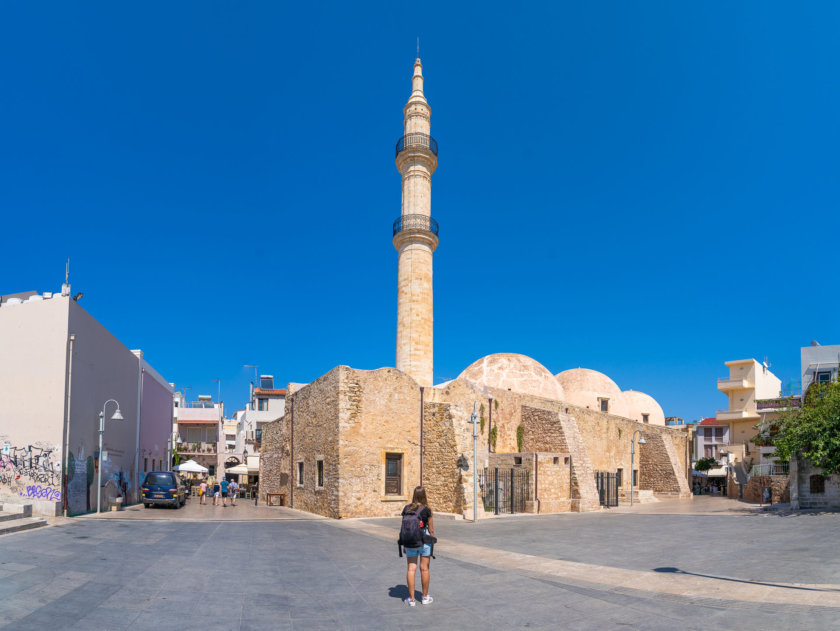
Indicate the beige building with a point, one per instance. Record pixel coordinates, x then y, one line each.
748 381
354 443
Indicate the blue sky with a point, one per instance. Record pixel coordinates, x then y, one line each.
645 189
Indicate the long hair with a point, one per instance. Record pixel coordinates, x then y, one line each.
419 498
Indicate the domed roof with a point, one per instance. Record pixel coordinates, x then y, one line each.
511 371
585 387
639 403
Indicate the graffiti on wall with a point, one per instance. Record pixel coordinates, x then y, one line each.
30 463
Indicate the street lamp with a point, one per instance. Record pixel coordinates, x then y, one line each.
117 417
642 441
474 421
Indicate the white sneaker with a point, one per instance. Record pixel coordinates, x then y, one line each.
427 600
410 602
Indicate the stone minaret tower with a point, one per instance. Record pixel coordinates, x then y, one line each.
416 236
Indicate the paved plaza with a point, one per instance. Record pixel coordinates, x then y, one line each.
685 565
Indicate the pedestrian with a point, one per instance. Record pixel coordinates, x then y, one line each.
202 492
420 506
234 491
225 486
215 493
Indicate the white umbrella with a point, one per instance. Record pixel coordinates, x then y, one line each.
190 466
239 469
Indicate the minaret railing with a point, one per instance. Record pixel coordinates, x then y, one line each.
422 223
415 141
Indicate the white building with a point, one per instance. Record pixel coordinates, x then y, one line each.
820 364
58 368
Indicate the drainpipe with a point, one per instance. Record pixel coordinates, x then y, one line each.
292 456
140 372
422 391
66 445
537 481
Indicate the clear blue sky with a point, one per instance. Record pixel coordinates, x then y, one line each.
646 189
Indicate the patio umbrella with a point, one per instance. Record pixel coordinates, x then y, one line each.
239 469
190 466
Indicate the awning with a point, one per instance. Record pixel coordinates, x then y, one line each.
190 466
239 469
714 472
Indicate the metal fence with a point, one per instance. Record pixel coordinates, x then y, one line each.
504 490
770 469
607 484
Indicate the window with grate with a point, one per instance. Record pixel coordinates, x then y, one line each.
619 477
393 474
605 405
300 473
320 474
645 418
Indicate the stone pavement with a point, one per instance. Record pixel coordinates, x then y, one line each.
575 571
245 510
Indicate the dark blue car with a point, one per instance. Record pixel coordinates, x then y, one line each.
163 487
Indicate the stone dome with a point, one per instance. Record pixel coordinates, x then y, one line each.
639 403
518 373
586 388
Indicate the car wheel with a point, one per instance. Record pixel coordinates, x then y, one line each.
147 505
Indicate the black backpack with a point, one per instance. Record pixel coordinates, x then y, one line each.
413 530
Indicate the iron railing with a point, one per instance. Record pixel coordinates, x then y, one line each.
770 469
607 485
504 490
415 222
415 140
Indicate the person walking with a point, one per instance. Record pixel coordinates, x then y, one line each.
419 507
233 489
202 492
225 486
215 493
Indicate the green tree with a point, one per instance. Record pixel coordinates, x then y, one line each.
704 464
813 431
520 437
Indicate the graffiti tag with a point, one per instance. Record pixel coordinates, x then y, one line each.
39 492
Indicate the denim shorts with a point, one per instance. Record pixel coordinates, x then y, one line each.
424 551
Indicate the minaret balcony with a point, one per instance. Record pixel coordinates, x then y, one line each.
415 223
417 141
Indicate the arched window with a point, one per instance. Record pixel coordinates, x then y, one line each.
817 484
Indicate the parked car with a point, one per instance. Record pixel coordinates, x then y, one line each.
163 487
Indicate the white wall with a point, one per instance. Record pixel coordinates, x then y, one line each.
828 356
33 339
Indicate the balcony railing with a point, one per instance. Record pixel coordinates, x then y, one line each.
783 403
415 141
197 448
415 222
770 469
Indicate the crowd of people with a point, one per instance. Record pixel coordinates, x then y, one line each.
219 490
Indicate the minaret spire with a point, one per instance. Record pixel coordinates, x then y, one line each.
416 235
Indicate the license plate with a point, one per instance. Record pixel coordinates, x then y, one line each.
157 495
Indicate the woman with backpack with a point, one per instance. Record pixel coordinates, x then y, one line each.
417 516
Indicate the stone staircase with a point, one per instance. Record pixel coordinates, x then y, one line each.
18 517
674 459
583 475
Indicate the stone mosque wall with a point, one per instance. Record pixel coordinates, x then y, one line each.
351 419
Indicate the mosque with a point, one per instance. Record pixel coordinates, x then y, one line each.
354 443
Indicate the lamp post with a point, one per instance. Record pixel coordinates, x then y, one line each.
474 421
642 441
116 417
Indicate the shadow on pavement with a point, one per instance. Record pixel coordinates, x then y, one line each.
676 570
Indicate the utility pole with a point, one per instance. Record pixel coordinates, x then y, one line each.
474 421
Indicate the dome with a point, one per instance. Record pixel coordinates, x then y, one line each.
511 371
639 403
586 388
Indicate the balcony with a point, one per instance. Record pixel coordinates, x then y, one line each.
726 414
197 448
778 405
417 141
732 383
421 223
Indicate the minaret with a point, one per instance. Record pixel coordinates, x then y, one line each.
416 236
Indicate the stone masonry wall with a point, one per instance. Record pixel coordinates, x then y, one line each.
441 473
379 414
830 498
779 488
